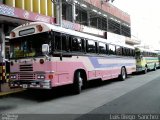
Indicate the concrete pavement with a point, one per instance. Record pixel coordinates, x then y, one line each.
136 92
5 90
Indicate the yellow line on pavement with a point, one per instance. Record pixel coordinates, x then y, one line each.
7 93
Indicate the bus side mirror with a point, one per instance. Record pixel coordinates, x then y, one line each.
45 49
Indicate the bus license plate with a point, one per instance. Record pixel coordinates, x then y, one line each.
25 86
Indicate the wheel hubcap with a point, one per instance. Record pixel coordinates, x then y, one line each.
123 73
80 80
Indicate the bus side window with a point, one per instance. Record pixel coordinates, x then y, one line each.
112 49
61 42
118 50
107 49
57 43
127 52
131 52
68 43
91 46
77 44
64 42
146 55
124 51
102 48
83 45
134 53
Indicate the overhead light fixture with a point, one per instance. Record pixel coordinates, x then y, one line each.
94 10
76 2
111 18
119 21
105 15
83 5
99 13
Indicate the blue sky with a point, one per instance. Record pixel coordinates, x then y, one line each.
145 19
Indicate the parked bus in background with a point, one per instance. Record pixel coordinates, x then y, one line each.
146 60
44 56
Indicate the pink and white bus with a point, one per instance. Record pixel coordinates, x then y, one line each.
44 56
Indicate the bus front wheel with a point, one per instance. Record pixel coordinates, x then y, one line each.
78 83
123 74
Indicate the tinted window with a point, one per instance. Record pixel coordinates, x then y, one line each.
119 50
57 42
102 48
61 42
112 50
132 53
126 52
91 46
64 42
76 44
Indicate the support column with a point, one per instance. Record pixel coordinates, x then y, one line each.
59 13
1 59
2 43
88 18
120 28
73 11
2 54
107 25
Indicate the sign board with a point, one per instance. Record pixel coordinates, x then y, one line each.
26 32
90 30
23 14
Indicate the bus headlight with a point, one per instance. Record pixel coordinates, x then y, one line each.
40 76
13 77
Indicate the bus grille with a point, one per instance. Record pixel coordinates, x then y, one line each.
26 68
26 76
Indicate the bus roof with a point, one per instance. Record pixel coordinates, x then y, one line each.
146 50
48 27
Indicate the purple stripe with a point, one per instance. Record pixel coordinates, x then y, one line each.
96 64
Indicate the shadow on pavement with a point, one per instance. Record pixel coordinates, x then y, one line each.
8 107
55 93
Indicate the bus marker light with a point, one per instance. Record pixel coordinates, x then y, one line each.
50 76
39 28
13 34
41 61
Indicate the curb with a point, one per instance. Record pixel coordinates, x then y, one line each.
8 93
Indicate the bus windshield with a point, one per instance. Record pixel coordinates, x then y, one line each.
28 46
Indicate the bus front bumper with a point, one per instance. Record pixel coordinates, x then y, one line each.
140 69
35 84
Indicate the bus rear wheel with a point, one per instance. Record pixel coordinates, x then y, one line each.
145 70
155 68
123 74
78 83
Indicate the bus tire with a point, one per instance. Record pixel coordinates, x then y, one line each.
78 83
123 74
155 68
145 69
